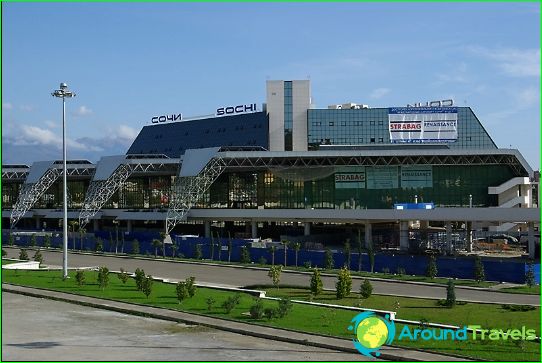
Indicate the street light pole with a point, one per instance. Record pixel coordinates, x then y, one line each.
63 93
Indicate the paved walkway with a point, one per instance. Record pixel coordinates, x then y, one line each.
232 276
344 345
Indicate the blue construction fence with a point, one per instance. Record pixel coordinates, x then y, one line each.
503 270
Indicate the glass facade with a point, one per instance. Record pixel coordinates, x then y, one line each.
288 116
370 127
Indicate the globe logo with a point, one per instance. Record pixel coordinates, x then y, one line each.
371 332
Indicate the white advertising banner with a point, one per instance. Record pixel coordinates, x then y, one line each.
350 178
382 177
423 124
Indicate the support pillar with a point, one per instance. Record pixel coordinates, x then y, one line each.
38 223
95 225
403 235
530 244
254 229
468 237
448 237
129 226
307 229
368 234
207 229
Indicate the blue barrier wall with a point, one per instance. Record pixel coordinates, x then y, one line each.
505 270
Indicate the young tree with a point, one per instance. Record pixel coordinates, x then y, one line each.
479 273
231 302
33 240
529 274
371 255
110 242
122 242
245 255
297 247
316 283
230 246
163 243
347 253
450 294
285 244
256 311
274 274
123 276
23 255
11 240
431 270
285 306
360 249
80 277
156 243
272 250
174 249
344 283
103 277
73 224
139 276
191 286
38 257
146 285
219 246
328 259
212 246
182 291
4 253
82 232
365 289
210 301
47 241
135 247
198 253
99 246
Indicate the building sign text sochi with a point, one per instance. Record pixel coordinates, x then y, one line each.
232 110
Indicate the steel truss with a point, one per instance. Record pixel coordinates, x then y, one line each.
100 191
31 192
188 190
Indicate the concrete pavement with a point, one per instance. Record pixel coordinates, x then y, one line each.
227 275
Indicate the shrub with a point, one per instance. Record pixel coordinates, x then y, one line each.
262 261
99 245
365 289
256 310
182 291
198 254
431 270
11 240
245 255
139 276
479 273
4 253
344 283
123 276
316 283
80 277
529 274
47 241
385 270
146 285
285 306
270 313
210 302
450 294
23 255
231 302
307 264
274 274
518 307
401 271
135 247
38 257
33 240
191 286
328 260
103 277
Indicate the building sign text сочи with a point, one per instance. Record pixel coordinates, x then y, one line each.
164 118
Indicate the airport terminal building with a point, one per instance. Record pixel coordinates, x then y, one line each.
285 167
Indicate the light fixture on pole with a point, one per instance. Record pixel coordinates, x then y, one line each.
63 92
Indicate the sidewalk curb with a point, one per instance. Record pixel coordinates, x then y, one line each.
101 303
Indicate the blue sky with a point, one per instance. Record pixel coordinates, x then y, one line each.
128 62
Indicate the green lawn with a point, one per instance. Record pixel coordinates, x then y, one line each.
7 262
313 319
522 290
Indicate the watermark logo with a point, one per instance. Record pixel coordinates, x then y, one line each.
371 332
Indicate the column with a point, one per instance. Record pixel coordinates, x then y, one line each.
449 237
368 234
38 223
530 244
307 229
468 237
207 229
403 235
95 225
129 226
254 229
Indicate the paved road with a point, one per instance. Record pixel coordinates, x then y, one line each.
40 330
224 275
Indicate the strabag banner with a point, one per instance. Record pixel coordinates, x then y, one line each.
422 124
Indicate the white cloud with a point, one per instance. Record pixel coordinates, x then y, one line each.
7 106
51 124
379 92
528 97
513 62
126 132
82 111
26 108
